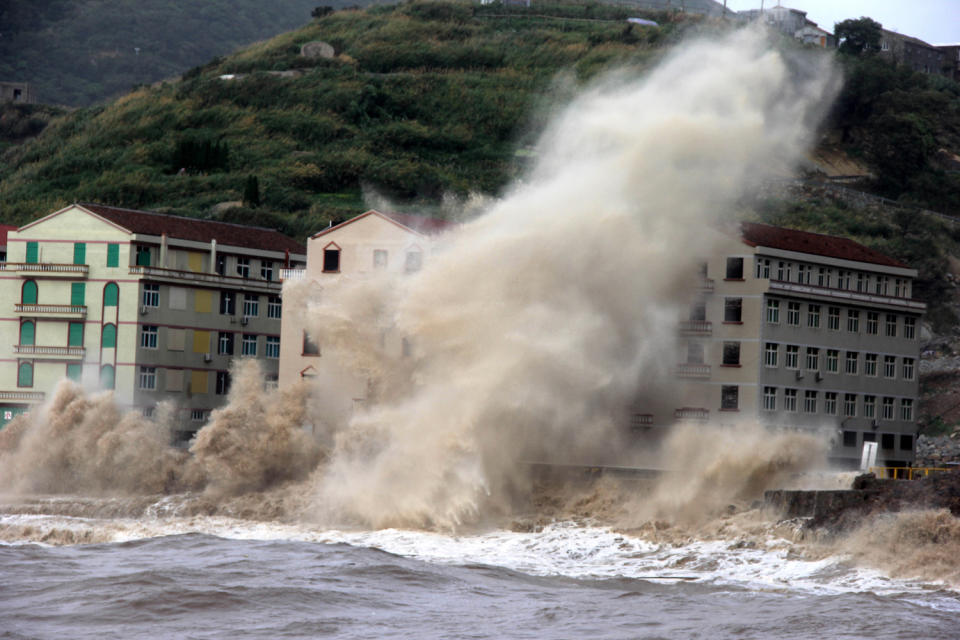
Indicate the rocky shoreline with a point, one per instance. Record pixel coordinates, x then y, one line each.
939 451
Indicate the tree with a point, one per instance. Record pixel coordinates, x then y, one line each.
858 35
251 192
321 12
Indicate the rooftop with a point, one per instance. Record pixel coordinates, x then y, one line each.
226 233
423 225
764 235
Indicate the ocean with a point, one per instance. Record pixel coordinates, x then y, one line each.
218 577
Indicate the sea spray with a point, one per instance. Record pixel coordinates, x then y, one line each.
537 324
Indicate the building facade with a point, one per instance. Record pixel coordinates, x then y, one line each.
914 53
152 306
798 330
18 92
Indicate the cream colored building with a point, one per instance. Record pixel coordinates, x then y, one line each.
370 243
152 306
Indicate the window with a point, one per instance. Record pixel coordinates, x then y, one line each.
813 358
221 266
849 438
75 371
769 398
28 333
198 415
891 325
833 318
107 377
793 357
729 397
225 344
882 285
873 323
869 406
780 266
228 303
887 440
113 255
734 269
850 405
851 365
249 345
732 309
379 259
28 293
331 259
790 399
793 314
813 316
823 277
833 361
809 401
310 346
853 320
869 364
25 374
148 378
251 305
33 253
830 403
147 412
77 294
79 253
151 295
843 279
274 307
143 255
773 311
889 366
414 261
803 274
908 368
266 269
243 267
273 347
223 382
887 409
148 337
763 268
108 338
695 353
906 443
111 294
698 312
861 282
770 352
910 328
75 334
898 288
731 353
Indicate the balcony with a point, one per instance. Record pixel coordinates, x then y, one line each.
706 285
54 352
693 370
21 396
846 295
47 269
175 276
696 328
692 413
66 310
293 274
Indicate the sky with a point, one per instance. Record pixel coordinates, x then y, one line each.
935 21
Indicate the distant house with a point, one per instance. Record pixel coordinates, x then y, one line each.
915 53
951 60
700 7
793 22
16 92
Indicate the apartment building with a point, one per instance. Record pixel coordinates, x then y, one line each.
370 244
149 305
798 330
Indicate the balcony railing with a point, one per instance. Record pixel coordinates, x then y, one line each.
698 327
176 275
40 350
22 396
692 413
693 370
47 269
706 285
846 294
51 309
293 274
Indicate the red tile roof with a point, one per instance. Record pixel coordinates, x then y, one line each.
4 229
764 235
423 225
225 233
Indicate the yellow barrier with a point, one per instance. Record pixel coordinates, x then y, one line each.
905 473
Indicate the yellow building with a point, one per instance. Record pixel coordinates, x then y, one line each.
149 305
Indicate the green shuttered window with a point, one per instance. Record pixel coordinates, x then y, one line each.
29 294
75 338
113 255
33 252
77 293
109 338
79 253
111 293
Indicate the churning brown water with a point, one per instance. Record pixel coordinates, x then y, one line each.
534 326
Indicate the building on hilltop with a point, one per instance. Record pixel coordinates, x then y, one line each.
152 306
914 53
793 22
371 243
798 330
18 92
951 59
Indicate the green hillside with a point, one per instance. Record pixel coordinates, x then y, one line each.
77 52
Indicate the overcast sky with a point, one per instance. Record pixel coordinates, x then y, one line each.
936 21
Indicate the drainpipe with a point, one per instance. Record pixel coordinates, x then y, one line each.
213 256
163 250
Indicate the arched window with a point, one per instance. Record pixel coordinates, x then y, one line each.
107 377
28 294
25 374
28 332
108 339
111 294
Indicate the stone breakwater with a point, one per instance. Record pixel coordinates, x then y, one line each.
938 451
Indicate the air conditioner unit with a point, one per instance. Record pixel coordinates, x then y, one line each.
799 375
244 321
233 320
819 376
143 310
207 357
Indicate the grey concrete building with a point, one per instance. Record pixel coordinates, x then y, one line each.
915 53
